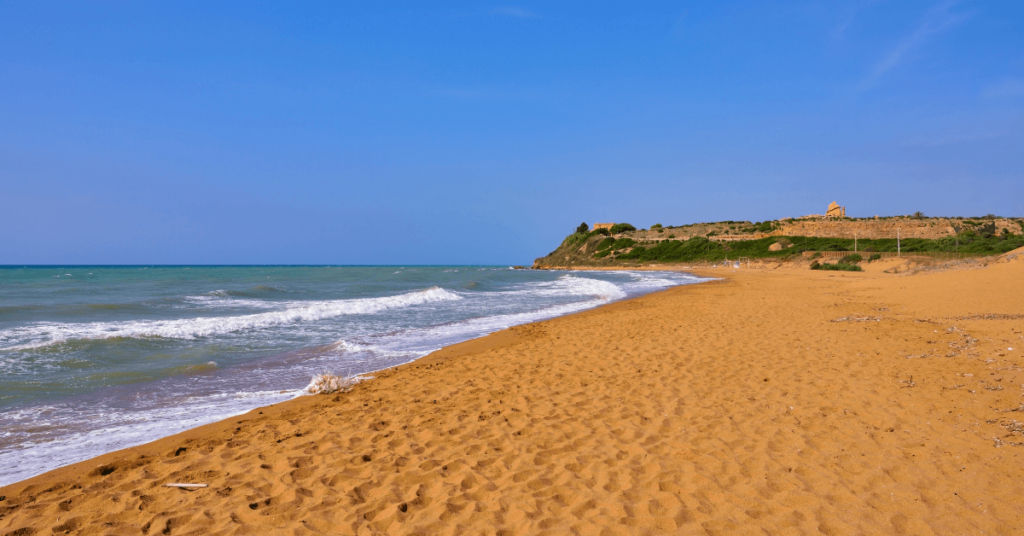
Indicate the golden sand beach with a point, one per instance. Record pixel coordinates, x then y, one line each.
768 402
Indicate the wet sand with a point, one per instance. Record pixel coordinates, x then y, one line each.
770 402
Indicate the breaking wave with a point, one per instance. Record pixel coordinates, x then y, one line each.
45 334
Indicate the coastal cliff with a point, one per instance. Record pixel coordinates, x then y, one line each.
785 239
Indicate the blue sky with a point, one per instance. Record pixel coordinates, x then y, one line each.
435 133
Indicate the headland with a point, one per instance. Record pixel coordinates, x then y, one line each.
789 241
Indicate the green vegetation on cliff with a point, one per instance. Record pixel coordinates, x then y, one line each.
700 248
593 248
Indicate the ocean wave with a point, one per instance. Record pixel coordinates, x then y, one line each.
46 334
254 292
428 339
347 347
207 301
27 452
645 281
571 285
248 298
585 286
18 309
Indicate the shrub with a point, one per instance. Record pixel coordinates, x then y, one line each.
634 253
918 215
602 254
576 239
656 226
583 228
837 266
605 244
621 228
874 257
851 259
623 243
602 231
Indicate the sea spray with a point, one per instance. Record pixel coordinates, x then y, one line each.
326 383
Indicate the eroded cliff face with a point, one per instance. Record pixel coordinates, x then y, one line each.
840 228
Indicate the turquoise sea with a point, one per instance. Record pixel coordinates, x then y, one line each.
98 358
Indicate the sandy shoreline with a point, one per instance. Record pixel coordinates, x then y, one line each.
773 401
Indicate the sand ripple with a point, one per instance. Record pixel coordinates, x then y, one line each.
732 407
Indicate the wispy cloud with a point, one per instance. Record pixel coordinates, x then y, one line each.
1005 89
514 11
937 19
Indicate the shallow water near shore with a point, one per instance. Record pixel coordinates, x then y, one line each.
95 359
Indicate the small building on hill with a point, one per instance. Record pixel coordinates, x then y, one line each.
835 211
603 226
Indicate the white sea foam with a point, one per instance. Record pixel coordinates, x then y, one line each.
424 340
38 439
347 347
223 301
44 333
569 285
584 286
117 430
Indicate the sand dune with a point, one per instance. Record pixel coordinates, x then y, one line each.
771 402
